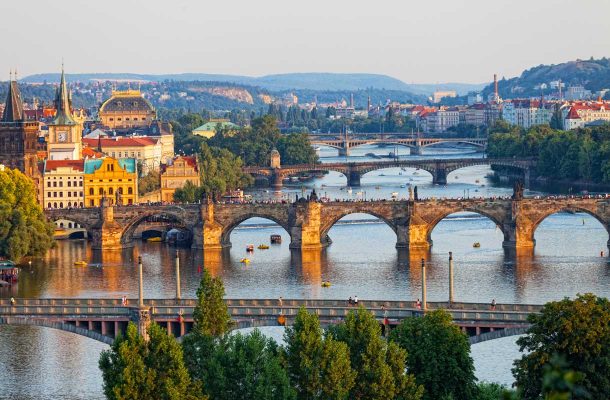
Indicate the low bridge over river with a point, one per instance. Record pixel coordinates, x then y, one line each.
345 144
439 168
104 319
308 221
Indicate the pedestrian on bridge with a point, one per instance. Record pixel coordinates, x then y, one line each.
13 301
356 301
493 305
418 304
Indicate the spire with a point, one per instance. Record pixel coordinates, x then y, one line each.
13 109
62 103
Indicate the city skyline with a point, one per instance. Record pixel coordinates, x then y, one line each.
411 42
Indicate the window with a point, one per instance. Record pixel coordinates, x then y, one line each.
91 191
111 119
81 194
54 184
61 184
81 184
61 205
48 205
129 190
54 194
69 183
54 205
48 184
69 195
110 191
81 203
91 203
70 205
101 191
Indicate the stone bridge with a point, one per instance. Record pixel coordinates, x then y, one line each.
307 221
345 144
105 319
439 168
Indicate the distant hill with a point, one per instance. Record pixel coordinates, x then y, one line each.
278 82
592 74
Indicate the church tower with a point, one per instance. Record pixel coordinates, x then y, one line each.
65 136
18 137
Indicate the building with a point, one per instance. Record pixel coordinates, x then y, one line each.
527 113
475 114
439 95
127 109
184 169
63 184
19 137
65 133
108 177
209 129
577 92
440 120
580 114
146 150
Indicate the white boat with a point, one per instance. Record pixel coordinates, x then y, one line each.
394 195
349 190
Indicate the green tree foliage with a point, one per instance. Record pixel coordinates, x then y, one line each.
247 367
149 182
189 193
577 331
220 171
380 367
135 369
296 149
319 368
438 354
183 124
582 154
494 391
24 230
211 315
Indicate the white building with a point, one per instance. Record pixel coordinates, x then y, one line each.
579 114
63 183
441 120
527 113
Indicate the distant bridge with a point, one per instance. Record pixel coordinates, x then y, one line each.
439 168
416 144
105 319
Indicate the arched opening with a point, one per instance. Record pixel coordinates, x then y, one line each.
452 148
347 227
255 230
568 235
326 151
154 228
466 233
475 176
399 177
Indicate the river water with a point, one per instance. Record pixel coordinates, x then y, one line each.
41 363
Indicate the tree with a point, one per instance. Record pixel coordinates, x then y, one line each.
220 171
319 368
576 330
149 183
380 367
211 315
135 369
189 193
438 354
24 230
296 149
247 367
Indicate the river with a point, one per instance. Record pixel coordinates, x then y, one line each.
40 363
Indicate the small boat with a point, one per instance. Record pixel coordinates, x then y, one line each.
349 190
476 244
403 186
263 247
245 261
326 284
80 263
250 248
276 239
477 181
456 177
381 174
377 187
394 195
8 271
154 239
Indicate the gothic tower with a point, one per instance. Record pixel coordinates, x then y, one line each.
65 136
18 137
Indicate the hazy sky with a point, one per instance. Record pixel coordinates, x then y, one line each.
416 41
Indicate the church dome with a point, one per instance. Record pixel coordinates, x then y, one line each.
127 101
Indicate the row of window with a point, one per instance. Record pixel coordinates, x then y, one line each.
120 154
61 205
127 119
110 191
69 224
61 194
61 184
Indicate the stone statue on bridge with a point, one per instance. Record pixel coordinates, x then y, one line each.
518 190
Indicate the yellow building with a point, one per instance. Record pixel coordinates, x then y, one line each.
127 109
147 150
108 177
184 169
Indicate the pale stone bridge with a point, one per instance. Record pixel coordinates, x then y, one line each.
104 319
308 222
345 144
439 168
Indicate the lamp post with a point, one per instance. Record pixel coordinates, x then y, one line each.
450 279
423 286
178 295
141 283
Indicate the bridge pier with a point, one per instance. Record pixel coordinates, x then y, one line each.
416 150
439 176
107 233
353 178
277 180
344 151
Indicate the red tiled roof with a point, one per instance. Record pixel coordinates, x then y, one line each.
74 164
121 142
91 153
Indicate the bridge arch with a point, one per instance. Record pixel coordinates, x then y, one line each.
441 216
225 237
466 141
176 216
59 325
568 208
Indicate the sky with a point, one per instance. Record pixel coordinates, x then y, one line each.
415 41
